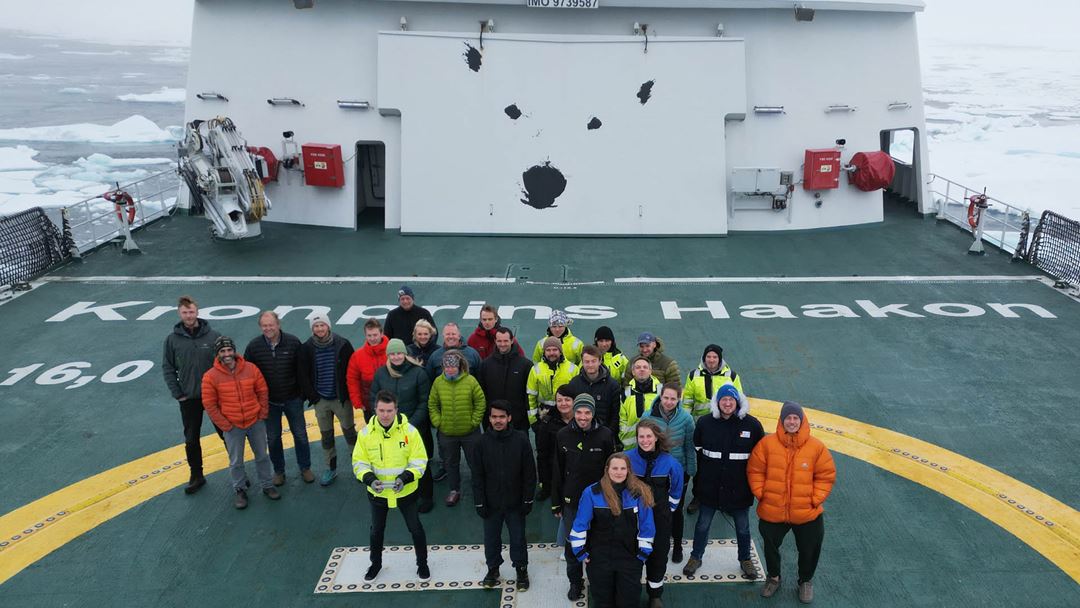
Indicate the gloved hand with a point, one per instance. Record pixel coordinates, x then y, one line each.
483 511
399 484
378 485
526 508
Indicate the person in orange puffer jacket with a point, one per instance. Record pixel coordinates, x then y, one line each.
791 474
235 395
362 367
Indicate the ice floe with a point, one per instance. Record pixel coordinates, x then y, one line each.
134 129
163 95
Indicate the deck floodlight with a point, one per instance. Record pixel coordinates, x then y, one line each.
284 101
637 28
899 105
490 25
803 14
351 104
719 30
404 24
839 107
768 109
211 95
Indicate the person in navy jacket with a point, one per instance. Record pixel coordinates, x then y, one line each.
613 534
652 462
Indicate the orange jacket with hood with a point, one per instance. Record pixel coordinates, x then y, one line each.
791 475
235 398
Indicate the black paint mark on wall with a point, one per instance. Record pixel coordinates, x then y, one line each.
594 124
474 58
512 111
645 92
542 185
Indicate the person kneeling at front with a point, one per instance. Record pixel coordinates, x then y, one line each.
613 534
389 458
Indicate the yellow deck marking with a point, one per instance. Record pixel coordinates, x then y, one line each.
1047 525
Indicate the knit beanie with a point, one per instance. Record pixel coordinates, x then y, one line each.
729 390
789 408
395 346
552 341
558 317
406 291
604 333
585 400
223 342
712 348
320 319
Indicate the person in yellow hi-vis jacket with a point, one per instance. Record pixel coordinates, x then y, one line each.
389 458
545 378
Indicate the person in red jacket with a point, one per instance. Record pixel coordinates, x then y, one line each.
791 474
235 395
363 364
483 337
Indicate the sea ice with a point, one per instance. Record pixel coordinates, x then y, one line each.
19 158
12 57
163 95
73 90
134 129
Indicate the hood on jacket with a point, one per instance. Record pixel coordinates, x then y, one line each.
800 437
400 421
744 404
602 374
379 349
712 348
655 408
201 329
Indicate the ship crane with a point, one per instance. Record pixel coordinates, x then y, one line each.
222 178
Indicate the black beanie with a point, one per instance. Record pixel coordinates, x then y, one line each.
603 333
223 342
713 348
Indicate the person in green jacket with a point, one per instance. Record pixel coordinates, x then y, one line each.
408 381
664 367
456 407
678 426
546 377
613 359
559 327
638 397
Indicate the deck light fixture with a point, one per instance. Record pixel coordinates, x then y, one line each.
284 101
637 28
351 104
839 107
404 24
803 14
211 95
768 109
719 30
490 26
899 105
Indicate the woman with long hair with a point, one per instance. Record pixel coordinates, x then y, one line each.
424 343
651 462
613 534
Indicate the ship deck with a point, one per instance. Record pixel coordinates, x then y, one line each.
954 431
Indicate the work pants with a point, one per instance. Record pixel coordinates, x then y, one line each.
191 414
808 540
515 524
410 512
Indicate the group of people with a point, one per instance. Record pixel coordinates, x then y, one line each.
619 440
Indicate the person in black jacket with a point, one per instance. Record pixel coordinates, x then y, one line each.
595 379
277 355
400 321
724 440
581 451
504 375
323 361
504 477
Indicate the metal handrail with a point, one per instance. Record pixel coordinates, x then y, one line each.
93 220
952 203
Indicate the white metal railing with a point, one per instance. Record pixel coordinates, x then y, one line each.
1002 222
93 221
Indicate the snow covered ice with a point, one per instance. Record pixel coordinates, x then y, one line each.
163 95
134 129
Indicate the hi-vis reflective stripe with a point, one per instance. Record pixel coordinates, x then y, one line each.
673 500
577 543
547 402
711 454
391 471
645 542
576 534
740 456
531 392
418 463
361 467
656 585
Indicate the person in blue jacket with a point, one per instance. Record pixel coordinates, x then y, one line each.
652 463
613 534
678 426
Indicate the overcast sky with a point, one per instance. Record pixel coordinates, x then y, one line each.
1044 22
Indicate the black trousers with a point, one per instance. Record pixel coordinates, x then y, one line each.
678 520
545 458
191 413
615 584
410 511
575 571
426 485
656 564
515 524
808 540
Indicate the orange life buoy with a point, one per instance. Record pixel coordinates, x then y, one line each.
120 200
975 208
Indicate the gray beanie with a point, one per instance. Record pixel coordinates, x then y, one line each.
789 408
320 319
585 400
